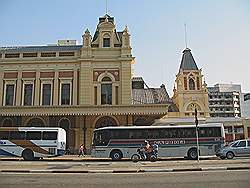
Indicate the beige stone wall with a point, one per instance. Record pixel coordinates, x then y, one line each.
86 84
126 82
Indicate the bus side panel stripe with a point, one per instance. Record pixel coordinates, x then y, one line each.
5 153
30 145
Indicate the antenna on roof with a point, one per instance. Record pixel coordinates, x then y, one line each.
185 25
106 6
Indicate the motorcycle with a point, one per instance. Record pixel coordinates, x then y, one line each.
145 156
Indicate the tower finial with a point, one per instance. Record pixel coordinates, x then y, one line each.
185 25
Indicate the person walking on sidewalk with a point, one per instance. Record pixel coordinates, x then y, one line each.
81 151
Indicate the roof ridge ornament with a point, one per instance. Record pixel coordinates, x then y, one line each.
87 31
126 29
106 18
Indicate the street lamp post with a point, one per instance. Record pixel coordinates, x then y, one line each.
197 135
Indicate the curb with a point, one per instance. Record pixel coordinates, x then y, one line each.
98 159
129 171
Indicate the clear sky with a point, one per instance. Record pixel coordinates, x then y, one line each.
218 33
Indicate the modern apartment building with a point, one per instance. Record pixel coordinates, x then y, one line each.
224 102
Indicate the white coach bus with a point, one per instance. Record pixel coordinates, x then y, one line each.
173 141
32 142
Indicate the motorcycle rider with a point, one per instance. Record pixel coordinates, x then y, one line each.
148 149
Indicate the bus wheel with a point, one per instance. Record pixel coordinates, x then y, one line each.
28 155
116 155
192 154
230 155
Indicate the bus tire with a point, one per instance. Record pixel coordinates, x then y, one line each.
116 155
230 155
28 155
192 153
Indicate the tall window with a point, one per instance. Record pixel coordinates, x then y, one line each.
46 96
106 42
106 95
191 84
9 95
106 91
65 94
28 94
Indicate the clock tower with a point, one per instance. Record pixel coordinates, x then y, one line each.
190 92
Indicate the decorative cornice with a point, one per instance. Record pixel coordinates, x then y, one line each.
150 109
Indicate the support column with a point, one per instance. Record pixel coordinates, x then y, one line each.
19 88
129 120
56 90
84 131
1 87
99 91
233 133
75 89
37 89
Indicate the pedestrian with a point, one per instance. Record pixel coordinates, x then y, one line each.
81 150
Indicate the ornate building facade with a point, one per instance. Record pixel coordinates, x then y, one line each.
76 87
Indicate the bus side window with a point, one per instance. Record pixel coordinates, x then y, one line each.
138 134
4 135
49 135
33 135
17 135
202 132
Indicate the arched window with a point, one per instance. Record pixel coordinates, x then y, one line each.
191 84
35 122
7 122
64 123
106 91
105 122
106 42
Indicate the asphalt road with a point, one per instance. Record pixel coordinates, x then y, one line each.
220 179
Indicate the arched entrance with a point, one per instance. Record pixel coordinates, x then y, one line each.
35 122
105 121
66 124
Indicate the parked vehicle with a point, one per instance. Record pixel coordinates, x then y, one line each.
32 142
173 140
238 148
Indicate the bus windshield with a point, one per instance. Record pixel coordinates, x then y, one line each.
101 138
